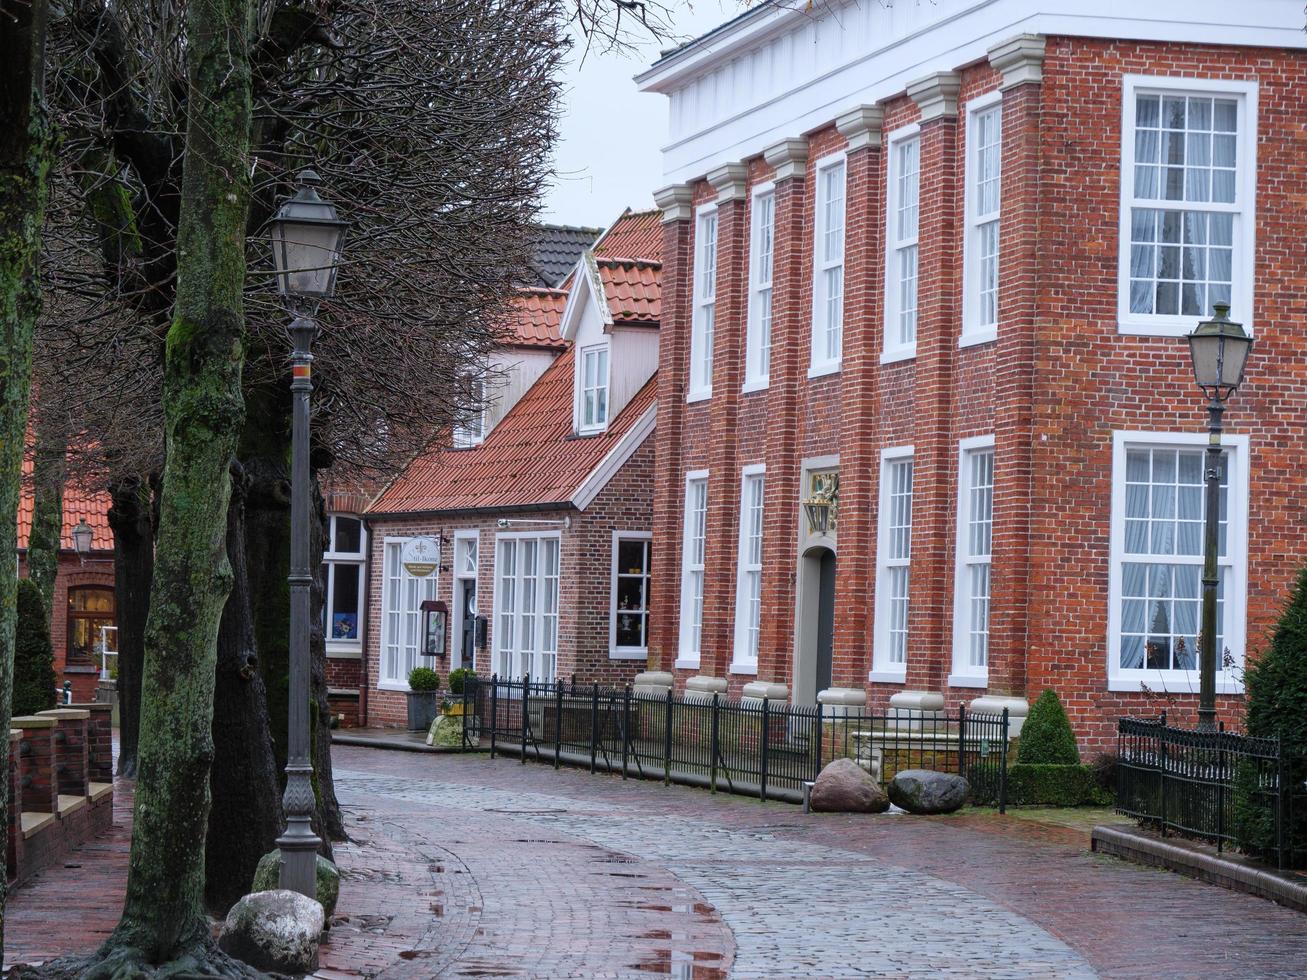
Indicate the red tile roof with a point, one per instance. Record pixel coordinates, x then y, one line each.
637 234
631 287
78 504
534 318
530 458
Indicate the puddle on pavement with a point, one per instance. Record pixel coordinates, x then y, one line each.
414 954
687 966
437 910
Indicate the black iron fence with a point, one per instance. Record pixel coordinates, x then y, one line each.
754 747
1227 788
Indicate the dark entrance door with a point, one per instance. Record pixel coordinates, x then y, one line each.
468 615
825 620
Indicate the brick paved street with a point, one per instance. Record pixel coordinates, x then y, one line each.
463 866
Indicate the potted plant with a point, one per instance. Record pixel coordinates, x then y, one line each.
423 684
457 682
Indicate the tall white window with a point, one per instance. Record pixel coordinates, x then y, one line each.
705 305
342 581
902 219
974 551
628 636
594 389
402 596
748 583
471 430
1187 201
692 564
828 261
1158 514
893 565
526 605
758 342
984 177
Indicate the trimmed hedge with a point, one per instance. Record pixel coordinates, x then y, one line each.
423 679
34 679
1046 737
1044 784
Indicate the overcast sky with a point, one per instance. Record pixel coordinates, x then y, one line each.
610 136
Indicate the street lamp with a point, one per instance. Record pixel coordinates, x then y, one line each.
82 536
306 239
1219 351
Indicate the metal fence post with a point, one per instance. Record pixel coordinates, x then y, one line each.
594 723
667 742
494 714
766 740
1281 797
526 707
1002 767
962 739
626 725
1162 774
821 736
712 778
558 721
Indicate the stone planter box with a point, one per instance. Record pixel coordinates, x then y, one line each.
423 707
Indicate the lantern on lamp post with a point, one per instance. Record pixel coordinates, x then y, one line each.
82 538
1218 349
306 243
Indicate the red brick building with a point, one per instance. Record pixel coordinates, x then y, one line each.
932 263
543 507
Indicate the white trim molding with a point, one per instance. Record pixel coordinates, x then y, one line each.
936 95
676 201
1019 60
788 158
862 127
730 181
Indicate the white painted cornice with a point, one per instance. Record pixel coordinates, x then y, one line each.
1020 59
676 202
789 158
730 182
936 95
862 127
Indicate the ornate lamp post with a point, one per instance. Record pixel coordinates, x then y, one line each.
82 536
306 240
1219 350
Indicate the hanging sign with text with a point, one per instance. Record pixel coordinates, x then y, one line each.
420 557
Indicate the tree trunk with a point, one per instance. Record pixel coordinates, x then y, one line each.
329 823
163 918
246 817
132 519
49 465
25 153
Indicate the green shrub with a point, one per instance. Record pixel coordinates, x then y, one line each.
423 679
457 678
1042 784
34 679
1276 707
1046 737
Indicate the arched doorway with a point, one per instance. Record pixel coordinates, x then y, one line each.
816 624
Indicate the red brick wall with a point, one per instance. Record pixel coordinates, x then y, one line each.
97 570
1052 388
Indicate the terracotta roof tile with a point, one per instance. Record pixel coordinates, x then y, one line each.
632 288
636 234
93 505
530 458
534 318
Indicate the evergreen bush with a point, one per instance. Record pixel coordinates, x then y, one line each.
457 679
1038 784
1276 707
1046 737
34 679
423 679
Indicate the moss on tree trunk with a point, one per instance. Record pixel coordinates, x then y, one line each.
48 470
132 519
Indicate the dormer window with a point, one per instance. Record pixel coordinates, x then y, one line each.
593 409
471 431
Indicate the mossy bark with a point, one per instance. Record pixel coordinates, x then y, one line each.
25 156
48 470
131 517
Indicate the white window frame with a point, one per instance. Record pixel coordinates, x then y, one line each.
599 424
331 560
1244 236
471 431
460 574
411 619
1228 680
973 330
757 355
964 674
821 363
616 652
892 348
701 337
883 670
688 658
745 660
538 614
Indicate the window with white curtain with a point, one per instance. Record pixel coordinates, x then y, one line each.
526 605
828 272
757 366
343 562
402 596
1187 202
704 315
974 553
748 584
893 565
984 177
594 389
694 542
902 222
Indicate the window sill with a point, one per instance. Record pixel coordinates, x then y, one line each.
899 354
392 686
975 338
755 384
968 680
628 653
698 396
822 370
1179 684
887 676
751 669
684 664
1165 328
344 652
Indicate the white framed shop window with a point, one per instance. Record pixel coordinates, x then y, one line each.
402 596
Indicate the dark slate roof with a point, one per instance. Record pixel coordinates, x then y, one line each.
557 250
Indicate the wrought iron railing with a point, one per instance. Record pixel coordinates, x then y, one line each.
755 747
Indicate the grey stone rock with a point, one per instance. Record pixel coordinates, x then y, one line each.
447 730
927 791
267 878
845 787
275 931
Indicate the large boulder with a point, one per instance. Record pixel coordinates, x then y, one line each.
927 791
268 874
845 787
275 931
